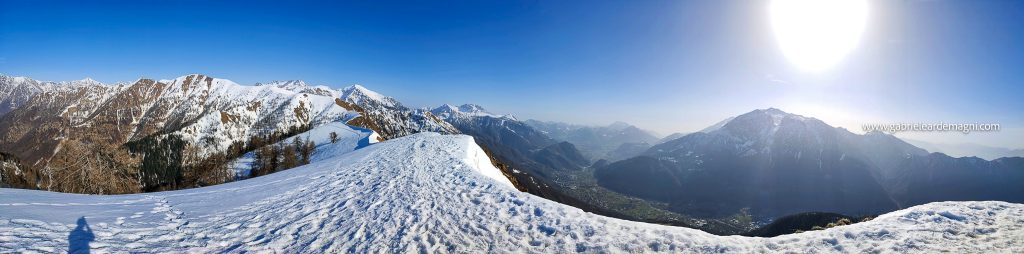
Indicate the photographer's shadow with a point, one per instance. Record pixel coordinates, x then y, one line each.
78 240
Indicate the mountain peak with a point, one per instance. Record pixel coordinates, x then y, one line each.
473 108
619 125
762 124
88 80
182 78
771 110
359 95
191 81
465 110
15 79
82 82
776 115
358 89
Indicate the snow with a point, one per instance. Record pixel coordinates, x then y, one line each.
481 163
433 193
399 119
357 93
373 95
286 84
465 112
281 105
87 81
349 139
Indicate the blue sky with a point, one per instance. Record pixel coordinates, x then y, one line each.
669 66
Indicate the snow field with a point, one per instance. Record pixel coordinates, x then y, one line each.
433 193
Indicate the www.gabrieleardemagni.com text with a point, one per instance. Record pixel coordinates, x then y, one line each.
965 128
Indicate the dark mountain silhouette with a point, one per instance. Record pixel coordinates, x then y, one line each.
596 142
777 164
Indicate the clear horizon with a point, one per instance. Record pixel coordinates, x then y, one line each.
663 66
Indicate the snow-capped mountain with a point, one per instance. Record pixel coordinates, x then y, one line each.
776 163
466 111
15 91
301 87
47 124
208 112
434 193
389 117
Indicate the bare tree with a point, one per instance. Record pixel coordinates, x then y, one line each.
289 160
307 151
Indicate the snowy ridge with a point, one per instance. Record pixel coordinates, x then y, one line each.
391 117
425 193
15 91
226 111
301 86
209 113
360 95
465 111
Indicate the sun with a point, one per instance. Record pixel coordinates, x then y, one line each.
817 34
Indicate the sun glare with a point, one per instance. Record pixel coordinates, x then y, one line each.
816 34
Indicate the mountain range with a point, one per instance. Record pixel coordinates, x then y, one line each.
49 127
775 163
530 156
192 131
968 149
613 142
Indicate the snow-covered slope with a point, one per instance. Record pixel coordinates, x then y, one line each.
349 139
15 91
431 193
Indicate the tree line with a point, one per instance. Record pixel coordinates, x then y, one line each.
154 163
281 156
168 163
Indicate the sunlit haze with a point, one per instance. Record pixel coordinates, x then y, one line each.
816 34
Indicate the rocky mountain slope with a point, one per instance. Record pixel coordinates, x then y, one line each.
208 112
49 126
434 193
